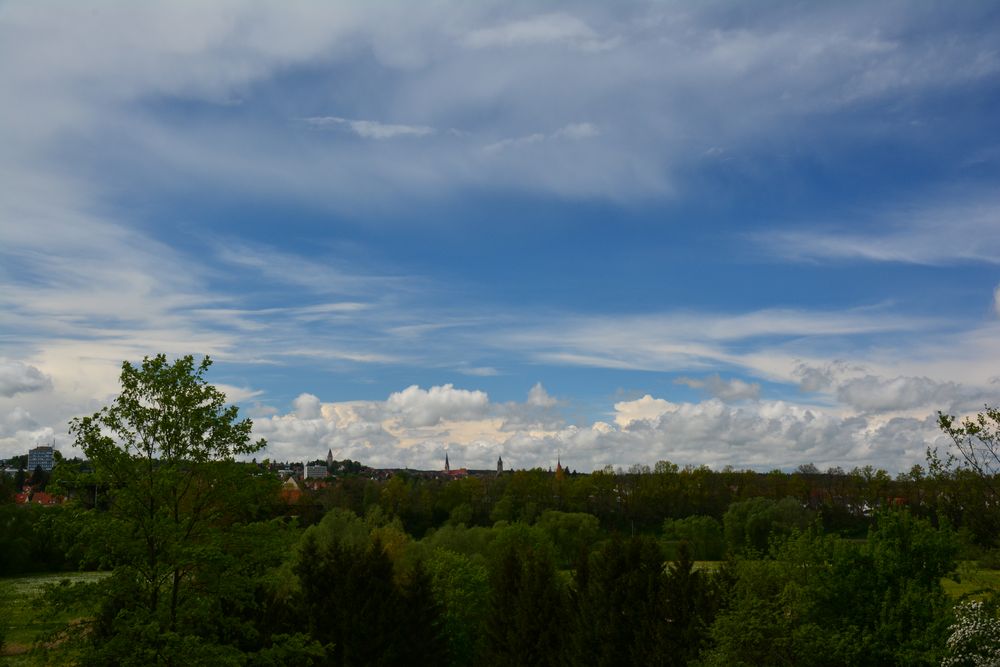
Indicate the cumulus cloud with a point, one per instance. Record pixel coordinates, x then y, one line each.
307 406
646 408
857 388
876 394
760 435
427 407
733 389
17 377
540 398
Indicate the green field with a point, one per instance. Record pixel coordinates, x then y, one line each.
25 619
972 579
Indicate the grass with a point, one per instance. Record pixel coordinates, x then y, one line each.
25 618
972 580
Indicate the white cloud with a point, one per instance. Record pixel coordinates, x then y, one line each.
307 406
732 389
17 377
646 408
760 435
540 398
945 230
427 407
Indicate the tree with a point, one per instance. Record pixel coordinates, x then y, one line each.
823 600
975 482
526 607
977 441
165 451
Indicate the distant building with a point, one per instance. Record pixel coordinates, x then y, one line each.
447 466
41 457
499 465
329 457
314 472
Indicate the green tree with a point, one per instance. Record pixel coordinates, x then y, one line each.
703 535
751 524
973 466
823 600
526 617
165 451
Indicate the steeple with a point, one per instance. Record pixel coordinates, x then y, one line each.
499 465
329 457
447 466
560 471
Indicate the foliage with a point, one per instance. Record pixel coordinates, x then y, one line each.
570 533
526 617
827 601
751 524
977 443
164 450
461 584
703 536
977 440
357 607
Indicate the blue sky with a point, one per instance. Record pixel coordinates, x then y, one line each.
615 233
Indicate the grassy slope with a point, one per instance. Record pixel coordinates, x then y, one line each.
25 620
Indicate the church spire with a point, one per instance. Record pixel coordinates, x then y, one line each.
447 466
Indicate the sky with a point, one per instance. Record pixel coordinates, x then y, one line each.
717 233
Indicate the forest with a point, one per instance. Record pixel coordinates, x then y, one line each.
208 563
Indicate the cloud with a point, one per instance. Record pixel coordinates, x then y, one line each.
538 30
370 129
768 343
17 377
996 300
479 371
540 398
646 408
877 394
427 407
573 132
733 389
855 387
577 131
307 406
760 435
735 80
940 231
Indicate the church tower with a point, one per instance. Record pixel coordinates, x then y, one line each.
329 458
447 466
499 465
